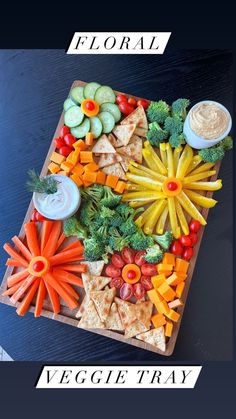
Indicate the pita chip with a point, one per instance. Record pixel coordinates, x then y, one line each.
155 337
142 132
126 311
103 145
94 282
95 268
134 329
107 159
103 301
113 321
82 307
125 162
133 149
144 312
116 170
123 134
137 117
90 318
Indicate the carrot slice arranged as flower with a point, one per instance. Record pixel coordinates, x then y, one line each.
60 240
13 279
45 233
54 298
51 245
32 239
74 245
81 268
64 276
13 262
68 255
24 305
15 255
22 248
40 298
69 300
70 290
13 289
21 290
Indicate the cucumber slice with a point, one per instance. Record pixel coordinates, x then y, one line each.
77 94
73 116
82 129
96 126
113 109
68 104
107 120
104 94
90 89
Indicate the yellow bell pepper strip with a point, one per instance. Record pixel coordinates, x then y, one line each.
173 217
148 159
145 215
154 216
204 186
137 204
194 163
160 166
203 168
170 161
199 176
162 147
147 172
144 181
142 196
136 171
177 152
184 161
201 200
134 187
190 207
162 220
181 217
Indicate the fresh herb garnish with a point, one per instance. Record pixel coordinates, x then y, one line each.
46 184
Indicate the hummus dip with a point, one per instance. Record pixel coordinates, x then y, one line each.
208 120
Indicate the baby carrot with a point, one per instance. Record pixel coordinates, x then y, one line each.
40 298
24 305
22 248
32 240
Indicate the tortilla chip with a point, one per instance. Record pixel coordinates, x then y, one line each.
108 159
103 301
134 329
125 162
94 282
126 311
137 117
90 318
155 337
133 150
103 145
144 312
95 268
113 321
116 170
142 132
113 140
82 307
123 134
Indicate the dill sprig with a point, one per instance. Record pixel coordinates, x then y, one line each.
46 184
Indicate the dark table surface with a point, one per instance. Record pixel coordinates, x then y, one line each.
33 86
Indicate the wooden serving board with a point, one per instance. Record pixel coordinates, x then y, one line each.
68 316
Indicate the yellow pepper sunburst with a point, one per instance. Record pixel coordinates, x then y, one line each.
169 185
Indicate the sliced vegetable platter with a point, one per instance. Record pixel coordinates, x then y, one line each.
101 125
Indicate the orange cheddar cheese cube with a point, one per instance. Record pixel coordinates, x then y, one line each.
86 184
168 328
173 315
175 278
154 296
111 181
164 268
57 158
92 167
168 259
86 157
175 303
157 280
181 265
162 307
80 144
53 168
89 138
158 320
101 178
78 169
179 289
166 292
89 176
120 187
76 179
67 166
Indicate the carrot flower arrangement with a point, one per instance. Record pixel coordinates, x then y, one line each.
46 270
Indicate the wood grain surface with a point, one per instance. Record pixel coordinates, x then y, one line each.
66 316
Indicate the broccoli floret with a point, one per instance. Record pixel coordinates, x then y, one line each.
227 143
98 221
94 193
158 111
129 227
72 227
124 210
87 213
116 220
93 249
109 199
156 134
101 234
116 241
173 125
164 240
179 108
212 154
176 140
154 254
139 241
106 214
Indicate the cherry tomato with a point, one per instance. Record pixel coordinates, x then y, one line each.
126 291
185 241
65 150
69 139
33 216
195 226
139 258
38 266
131 274
112 271
116 282
59 142
39 217
194 238
127 255
121 98
176 248
64 130
139 291
148 269
126 108
146 282
117 260
144 103
172 186
187 253
132 101
90 106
